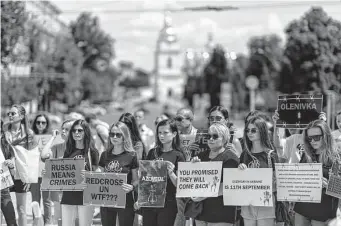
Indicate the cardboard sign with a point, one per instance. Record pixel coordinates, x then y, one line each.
152 183
251 186
297 111
334 182
6 180
185 143
201 179
63 175
299 182
105 189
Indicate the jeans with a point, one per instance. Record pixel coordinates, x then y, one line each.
261 222
7 208
203 223
125 216
180 219
21 208
160 216
47 203
303 221
69 214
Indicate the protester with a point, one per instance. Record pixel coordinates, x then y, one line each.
130 121
19 133
79 145
337 133
167 149
7 207
147 134
214 213
318 147
258 153
57 151
41 126
120 157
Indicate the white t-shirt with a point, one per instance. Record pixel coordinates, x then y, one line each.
294 148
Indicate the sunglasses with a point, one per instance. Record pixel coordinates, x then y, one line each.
213 136
118 135
253 130
315 138
40 122
215 118
11 113
180 119
77 130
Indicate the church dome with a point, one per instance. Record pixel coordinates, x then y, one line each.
167 33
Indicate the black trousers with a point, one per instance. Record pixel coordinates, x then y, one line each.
7 208
160 216
125 216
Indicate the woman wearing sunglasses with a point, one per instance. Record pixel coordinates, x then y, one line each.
41 126
120 157
79 145
319 148
19 133
167 149
257 154
214 212
57 151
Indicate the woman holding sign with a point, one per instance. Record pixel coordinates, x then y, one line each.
120 157
79 145
19 134
214 212
167 149
258 154
319 148
41 126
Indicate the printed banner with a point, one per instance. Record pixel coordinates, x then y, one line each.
251 186
299 182
297 111
152 183
334 182
6 180
185 143
105 189
200 179
63 175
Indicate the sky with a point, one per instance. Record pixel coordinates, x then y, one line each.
136 33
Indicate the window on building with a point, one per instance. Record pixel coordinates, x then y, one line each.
169 63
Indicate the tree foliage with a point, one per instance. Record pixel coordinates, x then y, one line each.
94 43
312 55
13 18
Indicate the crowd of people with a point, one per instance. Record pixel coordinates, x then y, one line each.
119 147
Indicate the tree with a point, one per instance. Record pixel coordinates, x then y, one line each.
95 44
13 18
312 55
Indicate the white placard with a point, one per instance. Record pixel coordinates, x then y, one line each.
200 179
299 182
251 186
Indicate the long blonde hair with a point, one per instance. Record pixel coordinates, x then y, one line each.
329 153
127 142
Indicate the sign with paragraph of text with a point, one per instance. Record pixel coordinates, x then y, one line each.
299 182
297 111
252 186
105 189
6 180
200 179
63 175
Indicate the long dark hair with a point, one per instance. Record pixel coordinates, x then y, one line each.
130 121
47 128
176 139
87 140
24 123
261 126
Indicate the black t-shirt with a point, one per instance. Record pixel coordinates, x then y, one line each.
76 197
173 157
122 163
214 210
260 159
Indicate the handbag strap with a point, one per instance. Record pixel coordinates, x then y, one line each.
89 157
269 158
